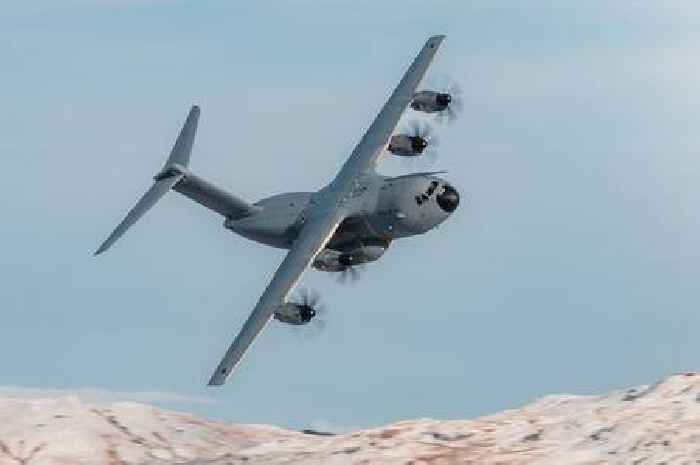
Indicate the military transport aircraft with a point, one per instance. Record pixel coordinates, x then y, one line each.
349 222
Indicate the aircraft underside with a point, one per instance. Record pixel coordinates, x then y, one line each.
350 221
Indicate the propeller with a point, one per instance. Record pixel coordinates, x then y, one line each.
455 107
350 274
426 132
351 271
310 299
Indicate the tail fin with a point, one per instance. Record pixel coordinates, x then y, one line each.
173 171
180 154
176 175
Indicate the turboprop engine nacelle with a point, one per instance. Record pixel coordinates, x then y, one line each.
295 314
334 260
430 101
404 145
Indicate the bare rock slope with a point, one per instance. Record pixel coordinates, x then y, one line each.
657 424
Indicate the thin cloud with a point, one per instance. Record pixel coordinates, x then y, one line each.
92 394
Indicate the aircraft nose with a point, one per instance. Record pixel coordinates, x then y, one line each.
448 200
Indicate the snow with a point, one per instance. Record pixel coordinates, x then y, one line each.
647 425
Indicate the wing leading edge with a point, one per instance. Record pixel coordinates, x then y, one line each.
313 238
325 218
364 156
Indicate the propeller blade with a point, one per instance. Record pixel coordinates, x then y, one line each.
350 275
458 105
429 155
427 131
311 298
454 89
445 84
320 324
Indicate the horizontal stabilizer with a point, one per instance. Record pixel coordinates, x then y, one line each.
158 190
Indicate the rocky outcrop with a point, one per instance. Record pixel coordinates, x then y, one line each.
657 424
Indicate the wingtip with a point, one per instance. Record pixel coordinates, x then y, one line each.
434 41
219 377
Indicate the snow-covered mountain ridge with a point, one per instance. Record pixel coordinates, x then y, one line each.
657 424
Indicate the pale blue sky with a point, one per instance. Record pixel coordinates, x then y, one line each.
571 265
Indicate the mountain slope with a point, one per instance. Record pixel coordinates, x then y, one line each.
647 425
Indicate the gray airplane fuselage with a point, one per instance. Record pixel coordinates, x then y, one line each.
349 222
392 208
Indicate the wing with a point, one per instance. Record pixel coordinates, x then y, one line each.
365 155
330 210
312 239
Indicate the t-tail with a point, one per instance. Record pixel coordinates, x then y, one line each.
175 175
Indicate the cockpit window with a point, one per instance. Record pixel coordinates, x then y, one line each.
432 187
448 199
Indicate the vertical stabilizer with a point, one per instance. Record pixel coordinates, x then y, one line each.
180 154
